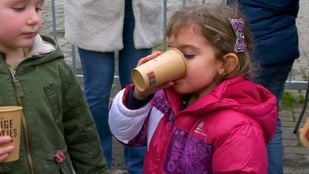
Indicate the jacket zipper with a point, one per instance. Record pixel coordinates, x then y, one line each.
20 94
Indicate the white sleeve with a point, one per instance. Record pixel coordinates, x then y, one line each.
124 123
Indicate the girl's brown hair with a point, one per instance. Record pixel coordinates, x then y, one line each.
215 26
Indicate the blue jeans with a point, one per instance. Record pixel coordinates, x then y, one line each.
273 78
98 71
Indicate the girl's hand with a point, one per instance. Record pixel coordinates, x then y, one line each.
142 95
5 148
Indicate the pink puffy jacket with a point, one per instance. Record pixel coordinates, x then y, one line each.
225 131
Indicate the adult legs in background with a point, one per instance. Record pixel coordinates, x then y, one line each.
128 58
98 70
273 78
133 156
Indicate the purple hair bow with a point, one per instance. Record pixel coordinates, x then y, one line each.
238 27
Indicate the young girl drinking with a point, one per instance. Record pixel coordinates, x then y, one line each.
213 120
58 134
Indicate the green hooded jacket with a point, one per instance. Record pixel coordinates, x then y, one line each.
58 134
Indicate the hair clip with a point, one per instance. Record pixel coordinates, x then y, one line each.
238 27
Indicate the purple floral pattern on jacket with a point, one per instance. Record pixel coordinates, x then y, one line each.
160 102
188 154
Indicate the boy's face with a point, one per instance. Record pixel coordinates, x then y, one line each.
20 22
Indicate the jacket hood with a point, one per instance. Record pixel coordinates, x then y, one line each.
44 49
242 96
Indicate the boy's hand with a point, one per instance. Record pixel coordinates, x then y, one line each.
5 148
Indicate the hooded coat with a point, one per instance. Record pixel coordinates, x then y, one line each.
225 131
58 134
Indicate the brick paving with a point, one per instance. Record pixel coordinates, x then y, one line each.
296 157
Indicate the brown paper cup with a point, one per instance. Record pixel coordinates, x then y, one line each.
169 66
304 134
10 121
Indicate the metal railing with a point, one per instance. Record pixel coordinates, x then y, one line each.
290 83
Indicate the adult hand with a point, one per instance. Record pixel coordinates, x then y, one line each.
304 134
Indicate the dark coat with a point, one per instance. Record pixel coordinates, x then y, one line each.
272 23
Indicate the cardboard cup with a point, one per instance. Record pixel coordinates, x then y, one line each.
10 121
168 66
304 134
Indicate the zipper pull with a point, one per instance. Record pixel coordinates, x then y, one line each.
19 89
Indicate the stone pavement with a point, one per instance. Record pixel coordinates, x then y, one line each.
296 157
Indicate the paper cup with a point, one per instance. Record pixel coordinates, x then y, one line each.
10 121
168 66
304 134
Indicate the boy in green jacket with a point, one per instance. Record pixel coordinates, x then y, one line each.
58 134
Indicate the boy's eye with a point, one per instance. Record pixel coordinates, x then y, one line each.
38 8
188 56
19 8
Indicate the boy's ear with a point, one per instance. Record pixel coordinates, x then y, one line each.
230 63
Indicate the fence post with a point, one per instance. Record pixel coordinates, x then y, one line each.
54 24
184 3
74 59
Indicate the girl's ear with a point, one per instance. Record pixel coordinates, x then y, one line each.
230 63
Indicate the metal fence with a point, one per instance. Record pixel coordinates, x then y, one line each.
290 83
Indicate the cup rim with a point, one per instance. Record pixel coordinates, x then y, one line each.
10 108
